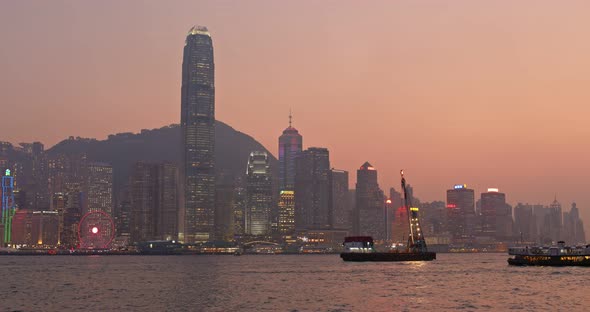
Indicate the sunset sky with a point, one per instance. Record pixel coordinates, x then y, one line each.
491 94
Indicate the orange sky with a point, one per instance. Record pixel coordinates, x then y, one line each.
492 94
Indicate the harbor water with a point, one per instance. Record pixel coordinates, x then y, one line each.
468 282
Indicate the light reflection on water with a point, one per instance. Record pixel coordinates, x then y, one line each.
285 283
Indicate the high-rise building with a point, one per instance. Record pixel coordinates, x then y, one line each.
491 202
539 214
198 135
339 204
76 201
240 198
551 226
99 188
573 227
224 212
259 194
370 204
312 189
287 215
8 206
123 220
167 217
461 212
58 204
143 203
525 223
496 215
290 145
504 223
154 202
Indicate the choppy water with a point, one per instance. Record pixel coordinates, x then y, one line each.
466 282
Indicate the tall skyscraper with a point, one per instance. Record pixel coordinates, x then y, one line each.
8 206
75 204
167 222
491 202
312 189
290 145
370 204
525 225
59 203
198 135
339 204
461 212
287 216
551 230
240 198
259 194
154 202
123 219
573 227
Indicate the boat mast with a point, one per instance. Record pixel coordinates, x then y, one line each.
416 241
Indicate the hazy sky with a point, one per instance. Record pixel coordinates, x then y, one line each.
488 93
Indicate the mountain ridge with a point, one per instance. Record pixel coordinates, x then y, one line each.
164 144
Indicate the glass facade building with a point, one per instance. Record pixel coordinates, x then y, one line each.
259 194
290 145
287 214
312 189
198 135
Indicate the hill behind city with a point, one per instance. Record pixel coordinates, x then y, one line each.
164 144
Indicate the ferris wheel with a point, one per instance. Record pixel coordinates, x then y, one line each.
96 230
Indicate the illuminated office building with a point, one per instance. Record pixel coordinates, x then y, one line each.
259 194
198 136
339 202
290 145
8 206
461 212
287 214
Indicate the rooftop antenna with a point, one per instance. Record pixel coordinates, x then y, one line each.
290 118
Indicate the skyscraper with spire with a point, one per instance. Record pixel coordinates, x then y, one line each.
198 135
290 145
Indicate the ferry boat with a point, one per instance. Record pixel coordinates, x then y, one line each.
560 255
361 248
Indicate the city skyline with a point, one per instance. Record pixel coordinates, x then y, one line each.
513 120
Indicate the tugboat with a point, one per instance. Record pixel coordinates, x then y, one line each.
560 255
361 248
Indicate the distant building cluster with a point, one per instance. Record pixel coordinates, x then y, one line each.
305 205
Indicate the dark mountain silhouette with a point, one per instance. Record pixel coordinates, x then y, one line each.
164 144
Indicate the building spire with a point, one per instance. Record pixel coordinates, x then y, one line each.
290 118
